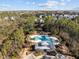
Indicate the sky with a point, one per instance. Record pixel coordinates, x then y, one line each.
38 4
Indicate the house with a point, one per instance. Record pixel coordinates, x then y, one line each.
6 18
9 18
12 18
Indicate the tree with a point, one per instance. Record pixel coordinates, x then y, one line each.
77 19
12 46
48 22
29 24
19 36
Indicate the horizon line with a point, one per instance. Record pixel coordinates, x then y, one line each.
39 10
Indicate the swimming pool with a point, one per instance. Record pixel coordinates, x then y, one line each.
40 38
47 42
43 38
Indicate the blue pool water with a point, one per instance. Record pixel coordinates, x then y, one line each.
43 38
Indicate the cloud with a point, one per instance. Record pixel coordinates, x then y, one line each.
6 7
33 3
68 0
62 0
65 0
27 2
48 3
51 3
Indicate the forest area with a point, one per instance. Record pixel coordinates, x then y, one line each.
15 26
